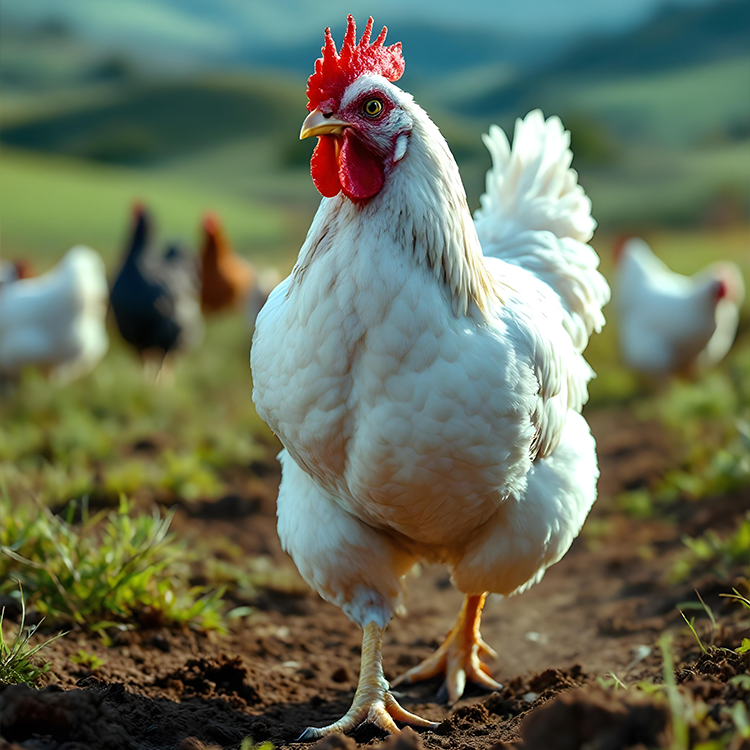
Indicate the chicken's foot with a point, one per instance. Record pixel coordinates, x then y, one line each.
459 656
373 703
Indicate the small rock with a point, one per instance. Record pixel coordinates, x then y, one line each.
161 642
335 742
340 675
534 637
408 739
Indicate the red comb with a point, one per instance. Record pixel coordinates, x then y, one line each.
336 70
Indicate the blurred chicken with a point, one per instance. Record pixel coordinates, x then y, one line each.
671 324
11 271
154 300
226 279
56 321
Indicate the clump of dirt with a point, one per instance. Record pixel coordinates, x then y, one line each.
718 679
47 719
591 717
407 740
719 664
229 507
212 678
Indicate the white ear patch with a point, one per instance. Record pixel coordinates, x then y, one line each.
400 151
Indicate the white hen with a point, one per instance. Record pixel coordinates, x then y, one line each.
425 374
56 321
674 324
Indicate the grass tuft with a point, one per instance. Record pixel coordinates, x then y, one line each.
712 552
111 569
18 661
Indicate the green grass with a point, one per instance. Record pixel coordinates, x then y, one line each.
88 660
50 204
108 570
58 444
654 186
723 555
709 423
672 107
19 663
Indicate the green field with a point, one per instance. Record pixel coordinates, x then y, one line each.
676 107
50 204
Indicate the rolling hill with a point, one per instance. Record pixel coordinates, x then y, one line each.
703 48
152 122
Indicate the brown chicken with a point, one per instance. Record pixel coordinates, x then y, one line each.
227 278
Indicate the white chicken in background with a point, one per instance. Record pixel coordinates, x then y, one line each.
425 373
8 273
56 321
11 271
671 324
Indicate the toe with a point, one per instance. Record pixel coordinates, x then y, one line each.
310 734
455 682
486 650
430 667
406 717
482 678
379 716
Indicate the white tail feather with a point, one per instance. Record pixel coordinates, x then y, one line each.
535 215
532 184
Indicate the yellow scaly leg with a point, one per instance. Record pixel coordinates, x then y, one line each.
373 703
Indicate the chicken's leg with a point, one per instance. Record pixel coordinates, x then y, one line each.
459 656
373 703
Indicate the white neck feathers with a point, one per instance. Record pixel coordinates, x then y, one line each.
422 209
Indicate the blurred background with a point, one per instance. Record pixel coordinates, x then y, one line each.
191 104
195 105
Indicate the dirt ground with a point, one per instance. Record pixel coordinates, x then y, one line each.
294 661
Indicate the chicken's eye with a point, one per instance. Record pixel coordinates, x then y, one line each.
372 107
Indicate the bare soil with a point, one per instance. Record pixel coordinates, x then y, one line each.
294 661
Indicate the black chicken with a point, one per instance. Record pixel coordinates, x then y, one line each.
155 299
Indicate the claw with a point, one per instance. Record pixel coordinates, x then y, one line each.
308 735
442 694
406 717
382 712
458 658
373 702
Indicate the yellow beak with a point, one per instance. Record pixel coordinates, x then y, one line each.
316 123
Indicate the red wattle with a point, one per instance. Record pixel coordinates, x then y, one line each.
324 167
360 171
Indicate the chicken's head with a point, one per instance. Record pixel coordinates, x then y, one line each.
357 114
215 242
620 246
24 269
727 282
